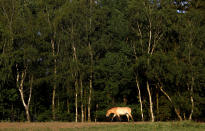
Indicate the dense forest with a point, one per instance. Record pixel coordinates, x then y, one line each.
72 60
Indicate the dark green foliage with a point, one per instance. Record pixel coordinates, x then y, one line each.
166 111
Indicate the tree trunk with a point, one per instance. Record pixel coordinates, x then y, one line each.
53 102
76 98
157 101
76 102
90 82
68 106
191 98
55 62
192 108
96 112
140 99
29 99
81 97
190 88
89 99
76 107
137 82
91 67
76 86
54 86
27 114
150 101
20 81
85 107
26 107
149 53
75 59
176 110
85 113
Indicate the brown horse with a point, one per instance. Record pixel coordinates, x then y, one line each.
118 111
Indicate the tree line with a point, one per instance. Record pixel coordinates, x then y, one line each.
71 60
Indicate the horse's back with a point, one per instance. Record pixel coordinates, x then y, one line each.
123 110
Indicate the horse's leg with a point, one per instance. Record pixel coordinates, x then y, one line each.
119 117
131 116
113 116
127 117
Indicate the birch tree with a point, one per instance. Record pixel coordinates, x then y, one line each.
20 79
91 59
137 81
51 15
152 31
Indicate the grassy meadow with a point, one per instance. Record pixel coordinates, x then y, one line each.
104 126
149 127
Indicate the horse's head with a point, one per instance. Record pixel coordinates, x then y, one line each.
108 113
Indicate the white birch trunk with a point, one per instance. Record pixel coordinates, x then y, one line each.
137 83
150 101
192 80
81 97
96 112
89 98
149 52
54 86
140 99
76 102
55 63
76 88
76 85
91 68
20 84
175 109
85 107
192 99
